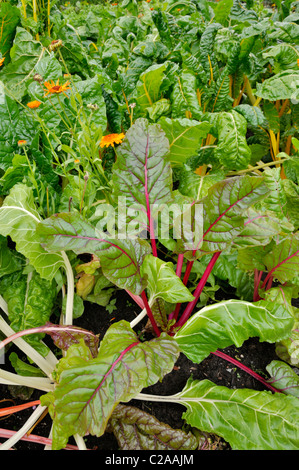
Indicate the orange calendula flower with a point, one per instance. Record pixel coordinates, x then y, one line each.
51 88
1 61
298 62
34 104
111 139
22 142
76 161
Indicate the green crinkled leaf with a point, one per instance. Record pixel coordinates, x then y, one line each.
282 86
196 186
89 390
9 19
30 300
227 269
162 281
24 54
10 260
253 115
15 124
147 90
247 419
137 430
232 149
232 322
184 98
285 57
19 220
185 137
285 208
120 258
272 116
222 11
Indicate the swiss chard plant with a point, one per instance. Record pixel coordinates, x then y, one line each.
151 147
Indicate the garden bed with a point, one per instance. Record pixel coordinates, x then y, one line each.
253 354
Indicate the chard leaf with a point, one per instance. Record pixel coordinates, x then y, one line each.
196 186
284 378
247 419
184 97
162 281
142 172
278 201
253 115
10 260
24 54
283 261
185 137
224 210
30 300
137 430
88 391
232 322
120 259
222 11
260 228
15 124
288 349
64 336
19 220
282 86
9 19
232 149
147 90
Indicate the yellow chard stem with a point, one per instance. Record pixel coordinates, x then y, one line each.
34 8
249 91
274 143
24 9
49 22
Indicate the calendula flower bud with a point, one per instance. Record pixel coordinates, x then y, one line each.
38 78
94 107
22 143
55 45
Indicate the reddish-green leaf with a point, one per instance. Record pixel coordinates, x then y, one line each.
88 391
120 259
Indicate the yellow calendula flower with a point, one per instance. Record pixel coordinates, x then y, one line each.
1 61
51 88
34 104
111 139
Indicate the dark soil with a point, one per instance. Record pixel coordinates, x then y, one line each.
253 354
